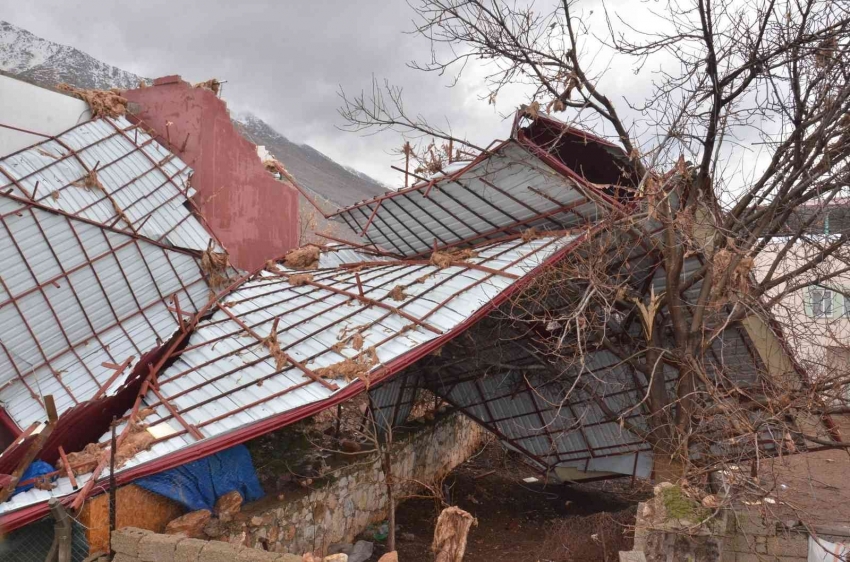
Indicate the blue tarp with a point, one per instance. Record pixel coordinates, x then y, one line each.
37 468
198 484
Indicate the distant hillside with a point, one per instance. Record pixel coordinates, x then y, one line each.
312 169
47 63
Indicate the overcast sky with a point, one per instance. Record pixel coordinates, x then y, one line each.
285 61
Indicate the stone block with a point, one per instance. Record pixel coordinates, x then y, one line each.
254 555
632 556
790 545
339 557
188 550
158 548
217 551
126 540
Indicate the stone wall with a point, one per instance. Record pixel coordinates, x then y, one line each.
356 495
139 545
733 536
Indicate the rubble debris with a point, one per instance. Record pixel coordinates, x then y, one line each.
450 534
47 154
212 85
103 103
351 368
306 257
274 165
214 265
228 505
389 557
270 342
397 294
54 195
89 181
530 234
422 279
445 258
86 460
137 439
300 279
272 266
192 524
340 557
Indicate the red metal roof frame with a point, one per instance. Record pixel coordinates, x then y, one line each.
531 146
18 518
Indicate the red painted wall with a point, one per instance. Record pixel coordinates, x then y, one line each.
254 215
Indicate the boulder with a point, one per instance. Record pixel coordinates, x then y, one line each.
361 552
192 524
228 505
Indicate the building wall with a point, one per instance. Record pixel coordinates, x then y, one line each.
820 340
36 109
253 214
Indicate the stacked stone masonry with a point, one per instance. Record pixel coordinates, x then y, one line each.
356 496
138 545
332 512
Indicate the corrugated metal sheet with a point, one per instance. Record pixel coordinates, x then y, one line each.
144 187
75 295
509 190
226 379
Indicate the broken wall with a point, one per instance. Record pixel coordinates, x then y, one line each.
253 214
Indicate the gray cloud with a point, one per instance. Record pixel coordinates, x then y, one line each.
284 61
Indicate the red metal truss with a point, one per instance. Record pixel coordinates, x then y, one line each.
77 294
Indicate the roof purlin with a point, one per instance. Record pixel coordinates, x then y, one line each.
215 444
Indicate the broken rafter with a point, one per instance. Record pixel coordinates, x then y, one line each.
118 370
456 263
193 431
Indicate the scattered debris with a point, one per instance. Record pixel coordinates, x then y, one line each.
306 257
530 234
212 85
275 166
47 154
103 103
191 525
450 534
445 258
397 294
215 265
54 195
270 342
299 279
351 368
89 181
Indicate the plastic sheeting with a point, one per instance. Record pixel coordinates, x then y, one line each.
821 550
34 470
198 484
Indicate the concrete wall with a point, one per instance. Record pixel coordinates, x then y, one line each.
254 215
36 109
356 496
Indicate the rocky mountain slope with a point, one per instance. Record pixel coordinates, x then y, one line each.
47 63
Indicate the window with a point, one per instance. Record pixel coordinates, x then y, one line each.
821 302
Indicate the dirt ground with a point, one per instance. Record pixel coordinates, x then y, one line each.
521 522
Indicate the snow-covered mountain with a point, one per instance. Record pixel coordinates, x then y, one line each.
47 63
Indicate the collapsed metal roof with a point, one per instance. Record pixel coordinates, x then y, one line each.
227 386
80 304
114 173
281 344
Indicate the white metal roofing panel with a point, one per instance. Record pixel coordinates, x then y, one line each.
144 186
225 379
510 190
74 296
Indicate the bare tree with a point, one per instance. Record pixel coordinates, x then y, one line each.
729 235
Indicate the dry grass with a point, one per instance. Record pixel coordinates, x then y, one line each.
593 538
